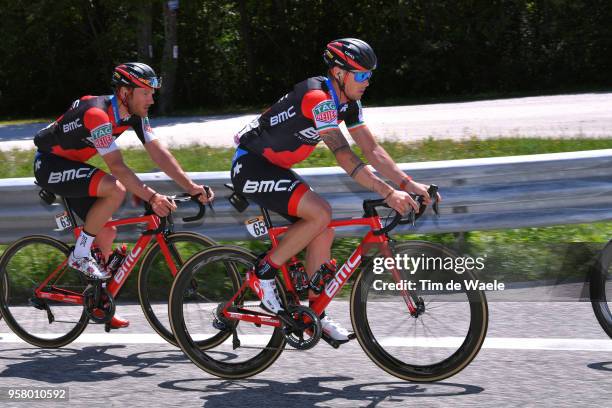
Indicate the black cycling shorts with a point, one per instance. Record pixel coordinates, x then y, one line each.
76 181
268 185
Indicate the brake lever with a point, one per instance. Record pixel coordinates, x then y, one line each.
207 190
412 218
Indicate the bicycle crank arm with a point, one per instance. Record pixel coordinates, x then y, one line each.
42 305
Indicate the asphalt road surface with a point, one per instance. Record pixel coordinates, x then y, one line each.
536 354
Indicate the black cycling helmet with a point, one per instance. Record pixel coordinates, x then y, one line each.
350 54
135 75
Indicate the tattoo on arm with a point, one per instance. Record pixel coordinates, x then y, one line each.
381 187
335 141
357 169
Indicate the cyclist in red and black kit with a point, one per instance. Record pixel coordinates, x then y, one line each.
286 134
90 127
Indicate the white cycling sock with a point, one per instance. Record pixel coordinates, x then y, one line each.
83 245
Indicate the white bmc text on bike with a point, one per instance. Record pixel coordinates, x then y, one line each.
67 175
265 186
343 273
127 264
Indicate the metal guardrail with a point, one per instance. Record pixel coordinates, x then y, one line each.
478 194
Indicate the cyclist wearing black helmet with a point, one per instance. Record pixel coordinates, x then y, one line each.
89 127
287 133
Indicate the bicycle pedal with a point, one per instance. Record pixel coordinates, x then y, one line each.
336 343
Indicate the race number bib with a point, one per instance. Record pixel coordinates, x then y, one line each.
256 226
63 221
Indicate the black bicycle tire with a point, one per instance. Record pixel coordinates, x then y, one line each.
597 286
419 373
250 367
145 269
5 310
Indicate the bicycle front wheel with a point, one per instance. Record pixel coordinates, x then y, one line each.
155 277
33 317
601 289
234 349
435 341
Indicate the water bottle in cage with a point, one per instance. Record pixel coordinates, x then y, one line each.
298 275
96 254
322 276
116 259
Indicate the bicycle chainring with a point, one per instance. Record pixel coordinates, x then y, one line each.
306 330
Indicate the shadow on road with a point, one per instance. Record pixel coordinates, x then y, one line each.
308 391
90 364
603 366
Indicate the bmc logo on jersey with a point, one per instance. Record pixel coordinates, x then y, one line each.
67 175
266 186
309 135
75 124
325 112
283 116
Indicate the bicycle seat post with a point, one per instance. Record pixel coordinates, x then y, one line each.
69 212
266 215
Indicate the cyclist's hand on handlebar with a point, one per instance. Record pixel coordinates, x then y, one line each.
162 205
205 194
420 189
401 202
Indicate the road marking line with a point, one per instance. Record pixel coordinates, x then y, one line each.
510 343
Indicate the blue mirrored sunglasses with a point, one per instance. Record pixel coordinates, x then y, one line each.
362 76
153 82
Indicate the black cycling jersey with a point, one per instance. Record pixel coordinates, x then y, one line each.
90 126
289 130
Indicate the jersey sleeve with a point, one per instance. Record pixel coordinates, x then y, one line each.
100 130
354 117
143 129
321 109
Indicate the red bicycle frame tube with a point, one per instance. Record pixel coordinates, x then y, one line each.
340 278
119 278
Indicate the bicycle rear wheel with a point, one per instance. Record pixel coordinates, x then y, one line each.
601 289
206 281
435 343
38 320
155 277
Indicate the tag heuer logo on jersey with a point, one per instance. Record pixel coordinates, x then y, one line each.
147 125
102 136
325 112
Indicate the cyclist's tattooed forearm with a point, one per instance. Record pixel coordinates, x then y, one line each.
381 187
356 170
335 141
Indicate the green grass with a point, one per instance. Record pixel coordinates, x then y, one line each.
202 158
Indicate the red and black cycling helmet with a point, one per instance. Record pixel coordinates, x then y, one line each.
350 54
135 75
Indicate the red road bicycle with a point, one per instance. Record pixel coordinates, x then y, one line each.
417 333
48 304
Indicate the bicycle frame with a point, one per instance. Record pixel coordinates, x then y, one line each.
119 278
342 275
